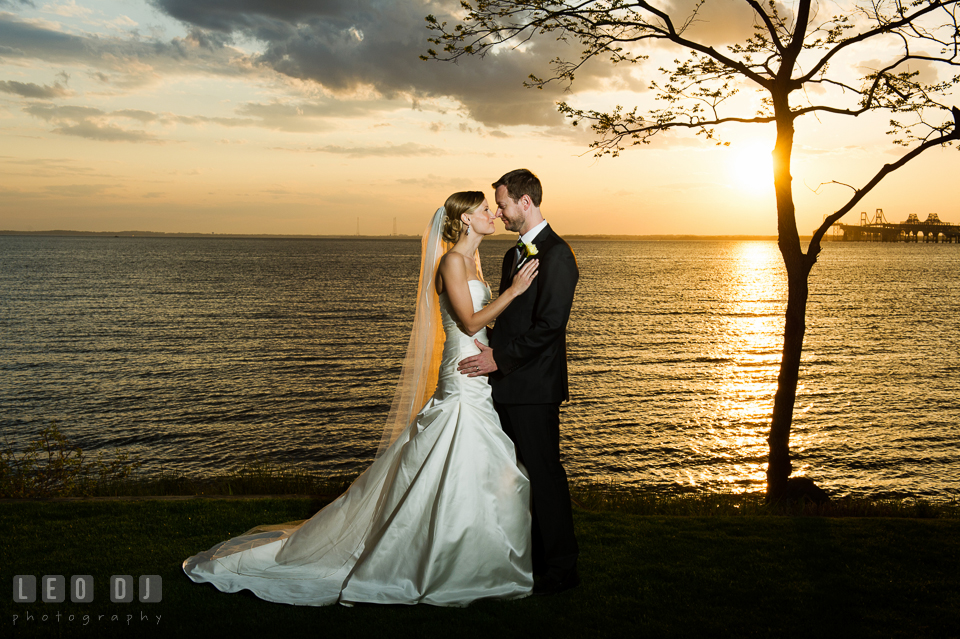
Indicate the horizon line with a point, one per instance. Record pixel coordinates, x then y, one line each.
399 236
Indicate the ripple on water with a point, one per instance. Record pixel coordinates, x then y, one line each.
198 354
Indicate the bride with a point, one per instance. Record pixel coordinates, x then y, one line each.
442 516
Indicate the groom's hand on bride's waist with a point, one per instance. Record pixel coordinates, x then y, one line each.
480 364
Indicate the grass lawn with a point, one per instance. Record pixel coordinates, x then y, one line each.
643 576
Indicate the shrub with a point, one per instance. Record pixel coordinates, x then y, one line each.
52 467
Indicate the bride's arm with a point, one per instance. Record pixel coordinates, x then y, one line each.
453 273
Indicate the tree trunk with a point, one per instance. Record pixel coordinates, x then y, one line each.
798 269
779 466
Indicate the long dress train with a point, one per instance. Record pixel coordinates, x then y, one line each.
442 517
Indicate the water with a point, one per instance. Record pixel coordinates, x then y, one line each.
199 354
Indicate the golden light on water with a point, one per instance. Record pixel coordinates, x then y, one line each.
749 340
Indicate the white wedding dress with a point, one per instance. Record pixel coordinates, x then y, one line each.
442 517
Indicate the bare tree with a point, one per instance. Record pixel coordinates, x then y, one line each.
791 50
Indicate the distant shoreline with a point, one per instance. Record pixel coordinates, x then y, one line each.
504 236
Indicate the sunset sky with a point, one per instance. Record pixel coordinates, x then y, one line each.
259 116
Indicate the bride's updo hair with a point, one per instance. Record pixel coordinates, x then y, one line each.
456 205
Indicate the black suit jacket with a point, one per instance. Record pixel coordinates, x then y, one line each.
529 339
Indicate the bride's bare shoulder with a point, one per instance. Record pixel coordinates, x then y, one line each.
452 259
450 266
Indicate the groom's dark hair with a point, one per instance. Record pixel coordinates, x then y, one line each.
520 182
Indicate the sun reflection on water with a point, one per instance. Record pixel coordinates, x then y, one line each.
749 342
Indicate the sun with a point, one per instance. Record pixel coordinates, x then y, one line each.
749 167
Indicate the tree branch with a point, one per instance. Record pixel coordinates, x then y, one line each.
771 29
814 246
866 35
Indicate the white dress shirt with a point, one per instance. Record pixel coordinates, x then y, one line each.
529 236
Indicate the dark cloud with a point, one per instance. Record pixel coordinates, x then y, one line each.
348 46
31 90
229 15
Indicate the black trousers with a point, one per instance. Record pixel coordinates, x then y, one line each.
535 430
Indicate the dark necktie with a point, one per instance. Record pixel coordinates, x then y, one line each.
521 253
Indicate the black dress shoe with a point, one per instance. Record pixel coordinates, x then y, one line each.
552 584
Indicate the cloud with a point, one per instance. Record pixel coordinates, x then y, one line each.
327 108
68 10
719 22
77 190
122 21
410 149
24 39
926 70
229 15
136 114
131 60
431 181
295 117
200 120
354 45
46 167
361 52
53 113
105 133
91 123
97 124
31 90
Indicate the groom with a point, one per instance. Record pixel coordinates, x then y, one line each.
527 365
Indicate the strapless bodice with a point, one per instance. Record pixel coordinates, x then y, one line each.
480 294
457 345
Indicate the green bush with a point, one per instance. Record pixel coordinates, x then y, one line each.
52 467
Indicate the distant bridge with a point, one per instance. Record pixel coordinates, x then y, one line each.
880 230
